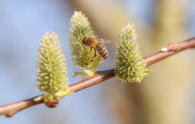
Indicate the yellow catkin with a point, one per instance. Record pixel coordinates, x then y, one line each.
129 65
51 70
82 55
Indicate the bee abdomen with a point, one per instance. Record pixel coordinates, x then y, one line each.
103 52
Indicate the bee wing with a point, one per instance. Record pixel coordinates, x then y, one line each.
106 41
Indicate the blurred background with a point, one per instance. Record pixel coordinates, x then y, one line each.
166 96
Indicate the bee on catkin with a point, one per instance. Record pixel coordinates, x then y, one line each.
83 55
97 44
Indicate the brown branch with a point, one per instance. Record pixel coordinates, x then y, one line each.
171 49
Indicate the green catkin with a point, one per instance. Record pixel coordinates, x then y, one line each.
129 65
51 70
82 55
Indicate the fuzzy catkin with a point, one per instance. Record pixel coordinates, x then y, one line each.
129 65
83 55
51 70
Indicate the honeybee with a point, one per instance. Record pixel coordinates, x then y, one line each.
97 44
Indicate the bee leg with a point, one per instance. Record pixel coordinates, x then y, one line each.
94 50
91 48
95 53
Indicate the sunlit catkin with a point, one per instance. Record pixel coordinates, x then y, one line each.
82 55
129 65
51 70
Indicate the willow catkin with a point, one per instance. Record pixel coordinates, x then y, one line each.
129 65
52 73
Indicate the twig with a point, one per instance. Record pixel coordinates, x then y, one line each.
171 49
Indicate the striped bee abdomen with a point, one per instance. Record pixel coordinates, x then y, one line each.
103 52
